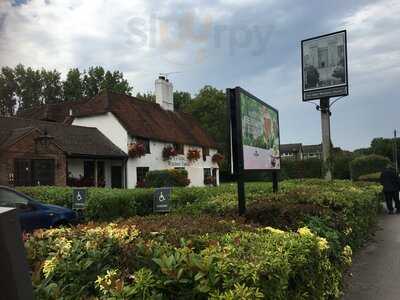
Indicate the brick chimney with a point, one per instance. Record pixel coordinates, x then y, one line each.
164 93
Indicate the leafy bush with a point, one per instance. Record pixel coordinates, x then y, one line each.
367 164
373 177
204 250
295 169
170 178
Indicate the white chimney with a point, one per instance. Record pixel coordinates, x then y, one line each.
164 93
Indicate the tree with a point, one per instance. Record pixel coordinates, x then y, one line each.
73 86
51 86
97 79
181 100
92 81
8 90
114 81
29 87
148 96
209 107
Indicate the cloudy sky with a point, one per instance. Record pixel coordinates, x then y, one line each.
250 43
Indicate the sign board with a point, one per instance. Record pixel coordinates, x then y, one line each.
257 130
324 66
254 137
161 201
79 198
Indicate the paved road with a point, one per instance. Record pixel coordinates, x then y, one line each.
376 268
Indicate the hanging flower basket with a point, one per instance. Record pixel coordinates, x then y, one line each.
168 152
136 150
217 158
193 154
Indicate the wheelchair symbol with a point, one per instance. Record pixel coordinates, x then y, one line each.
78 197
161 198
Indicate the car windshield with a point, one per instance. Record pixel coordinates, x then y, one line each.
11 199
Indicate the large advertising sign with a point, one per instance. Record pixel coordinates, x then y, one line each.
260 134
254 132
324 66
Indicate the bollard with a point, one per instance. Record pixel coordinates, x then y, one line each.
15 279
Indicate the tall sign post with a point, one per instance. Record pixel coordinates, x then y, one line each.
254 139
395 151
325 75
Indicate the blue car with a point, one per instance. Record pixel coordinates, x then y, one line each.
32 213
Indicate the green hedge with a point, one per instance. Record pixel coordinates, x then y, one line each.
367 164
194 255
295 169
171 178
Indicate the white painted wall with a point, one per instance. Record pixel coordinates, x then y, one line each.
109 125
154 161
113 130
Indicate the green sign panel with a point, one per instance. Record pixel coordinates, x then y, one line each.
79 198
161 202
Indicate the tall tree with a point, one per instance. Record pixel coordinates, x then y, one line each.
51 86
181 100
73 86
8 90
96 79
92 81
29 90
148 96
209 108
114 81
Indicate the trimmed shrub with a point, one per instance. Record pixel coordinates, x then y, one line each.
295 169
367 164
373 177
169 178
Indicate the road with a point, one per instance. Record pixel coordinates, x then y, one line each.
376 268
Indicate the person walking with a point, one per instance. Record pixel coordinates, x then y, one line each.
391 186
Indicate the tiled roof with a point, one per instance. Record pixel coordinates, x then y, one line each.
312 148
147 119
141 119
288 148
74 140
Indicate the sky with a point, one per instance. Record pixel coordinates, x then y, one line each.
254 44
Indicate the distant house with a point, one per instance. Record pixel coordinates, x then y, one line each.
142 131
291 151
36 152
312 151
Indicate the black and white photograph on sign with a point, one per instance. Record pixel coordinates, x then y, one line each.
324 62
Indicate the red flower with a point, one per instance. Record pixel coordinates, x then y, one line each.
217 158
136 150
193 154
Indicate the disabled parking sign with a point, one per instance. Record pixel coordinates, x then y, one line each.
162 197
79 198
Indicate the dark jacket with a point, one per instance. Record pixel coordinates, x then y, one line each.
390 180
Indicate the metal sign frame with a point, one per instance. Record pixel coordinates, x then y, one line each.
236 142
331 91
79 205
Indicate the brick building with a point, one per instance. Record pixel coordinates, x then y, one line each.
34 152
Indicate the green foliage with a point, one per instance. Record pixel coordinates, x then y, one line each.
193 255
73 85
149 96
181 100
8 91
367 164
309 168
167 178
373 177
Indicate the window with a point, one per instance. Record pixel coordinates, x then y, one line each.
88 169
100 174
323 57
206 152
11 199
145 143
179 148
141 173
207 173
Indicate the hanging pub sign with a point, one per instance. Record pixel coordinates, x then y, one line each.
324 66
254 137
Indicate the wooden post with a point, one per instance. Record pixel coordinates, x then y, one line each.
326 138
